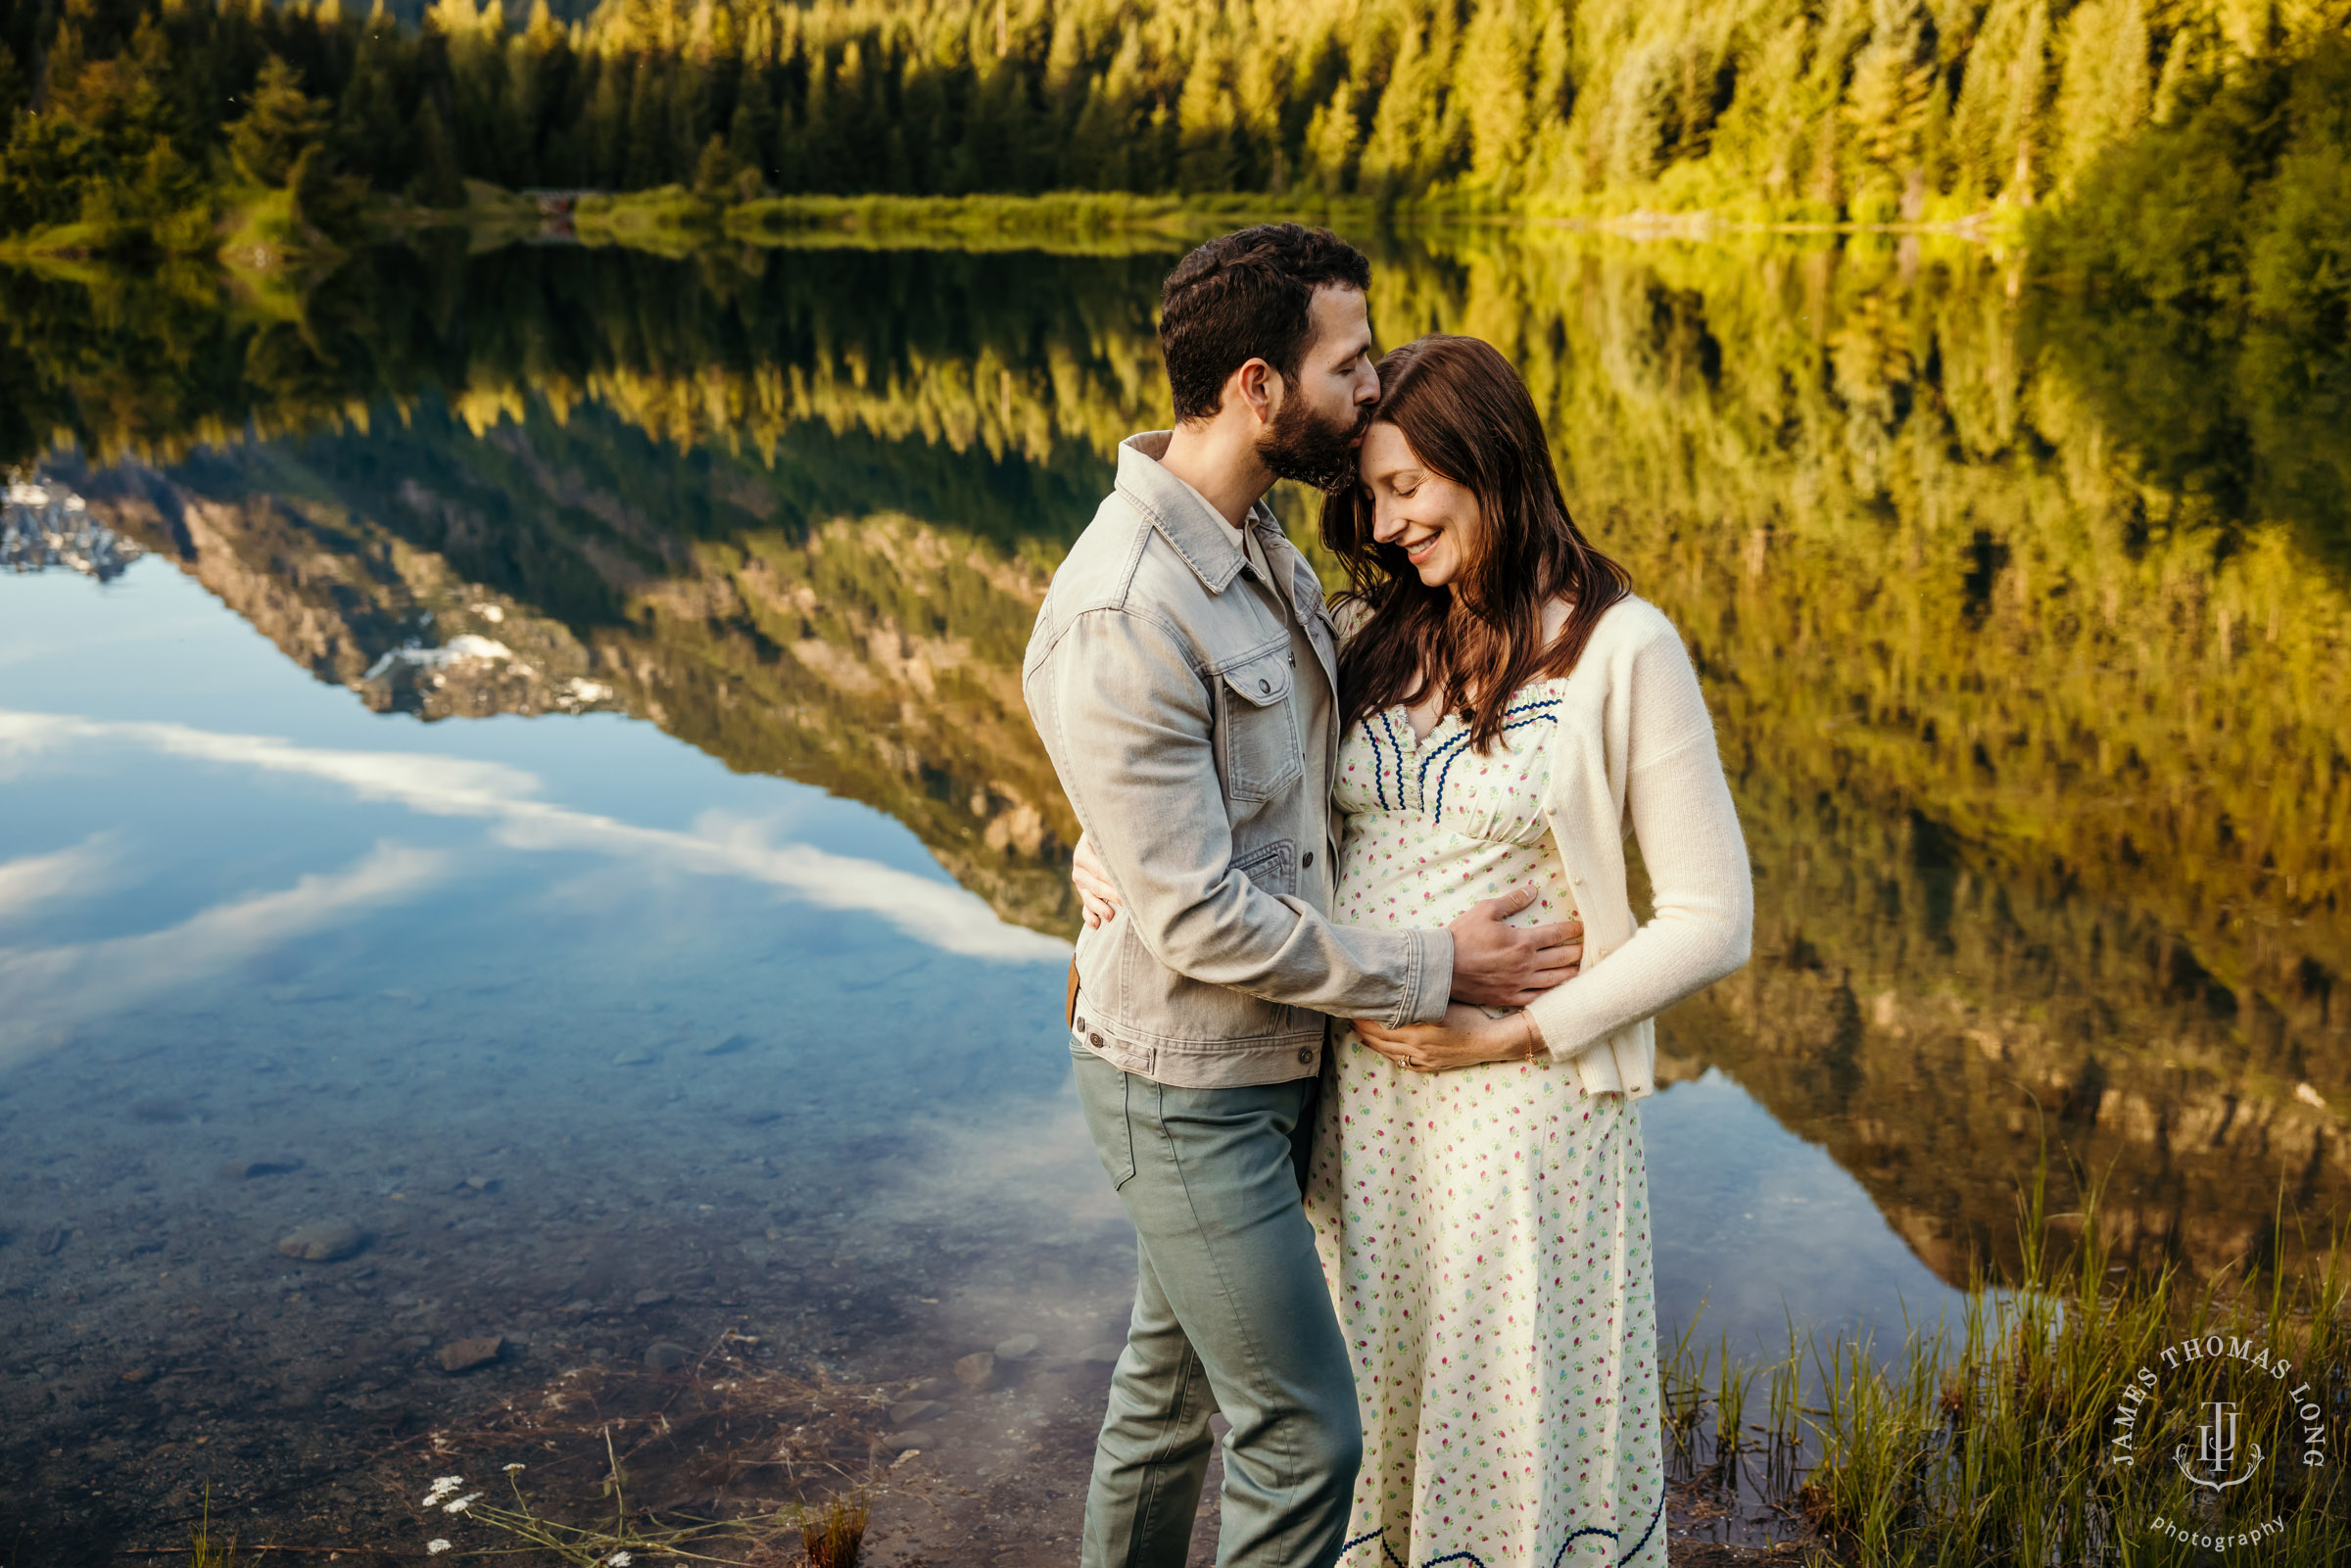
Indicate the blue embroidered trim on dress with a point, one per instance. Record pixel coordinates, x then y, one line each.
1379 764
1447 752
1449 748
1474 1560
1533 716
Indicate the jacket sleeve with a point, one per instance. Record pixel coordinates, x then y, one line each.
1688 831
1131 730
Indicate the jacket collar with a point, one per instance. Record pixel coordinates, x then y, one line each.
1184 518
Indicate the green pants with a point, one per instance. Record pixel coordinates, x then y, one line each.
1231 1315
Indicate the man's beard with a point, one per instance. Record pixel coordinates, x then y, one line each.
1298 446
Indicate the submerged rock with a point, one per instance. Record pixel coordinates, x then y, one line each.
906 1412
1019 1348
464 1356
977 1372
267 1165
323 1241
666 1356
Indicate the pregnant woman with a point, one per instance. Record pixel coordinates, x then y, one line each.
1478 1190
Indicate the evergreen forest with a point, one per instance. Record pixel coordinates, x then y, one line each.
143 123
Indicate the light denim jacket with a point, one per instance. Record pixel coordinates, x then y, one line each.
1163 699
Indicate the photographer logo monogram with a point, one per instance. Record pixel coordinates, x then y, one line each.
2217 1445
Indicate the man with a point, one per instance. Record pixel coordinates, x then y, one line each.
1182 675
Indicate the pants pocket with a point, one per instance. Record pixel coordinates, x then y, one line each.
1124 1136
1107 1095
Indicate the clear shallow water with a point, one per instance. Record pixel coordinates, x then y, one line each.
580 831
558 1012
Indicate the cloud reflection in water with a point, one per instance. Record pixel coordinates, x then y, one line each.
53 987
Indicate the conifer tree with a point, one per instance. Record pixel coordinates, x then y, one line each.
752 135
328 204
603 134
2107 81
13 89
1494 82
646 147
1333 141
372 135
1887 109
1208 123
279 122
713 170
438 181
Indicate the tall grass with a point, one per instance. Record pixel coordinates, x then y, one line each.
2054 1430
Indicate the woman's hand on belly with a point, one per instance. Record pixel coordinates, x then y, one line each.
1468 1038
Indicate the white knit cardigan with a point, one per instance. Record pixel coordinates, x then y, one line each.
1635 746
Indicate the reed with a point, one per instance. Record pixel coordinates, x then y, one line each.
1998 1442
834 1534
206 1552
2009 1445
632 1535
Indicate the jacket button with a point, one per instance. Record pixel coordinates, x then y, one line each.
1094 1040
1293 658
1264 686
1306 1052
1082 1025
1307 861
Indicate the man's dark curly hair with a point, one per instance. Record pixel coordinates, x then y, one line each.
1246 296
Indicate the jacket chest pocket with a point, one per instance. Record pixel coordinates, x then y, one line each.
1258 745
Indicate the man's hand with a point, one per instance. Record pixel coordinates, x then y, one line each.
1509 966
1091 879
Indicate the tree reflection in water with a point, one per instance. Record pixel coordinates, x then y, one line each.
2025 616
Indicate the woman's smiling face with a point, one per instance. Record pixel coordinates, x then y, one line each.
1432 518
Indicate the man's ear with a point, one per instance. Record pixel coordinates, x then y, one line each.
1258 385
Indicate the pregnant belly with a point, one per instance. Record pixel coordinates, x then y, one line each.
1433 883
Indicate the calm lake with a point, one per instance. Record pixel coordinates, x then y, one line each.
516 786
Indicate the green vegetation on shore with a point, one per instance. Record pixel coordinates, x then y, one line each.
142 125
2053 1423
676 221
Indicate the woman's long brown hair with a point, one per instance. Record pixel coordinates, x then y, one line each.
1467 416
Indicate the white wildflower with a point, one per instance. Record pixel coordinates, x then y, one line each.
462 1504
436 1546
511 1468
619 1559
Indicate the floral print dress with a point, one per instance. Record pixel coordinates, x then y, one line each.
1485 1231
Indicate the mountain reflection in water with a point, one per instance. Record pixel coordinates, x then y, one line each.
2040 749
